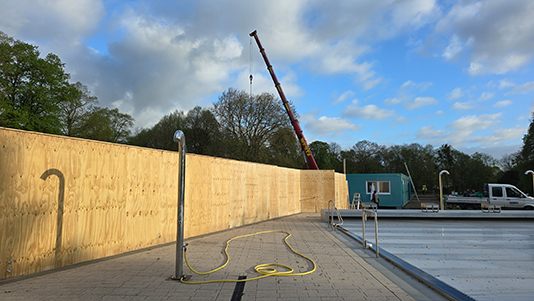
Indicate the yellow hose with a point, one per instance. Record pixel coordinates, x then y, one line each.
266 269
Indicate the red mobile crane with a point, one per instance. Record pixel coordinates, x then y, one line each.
308 156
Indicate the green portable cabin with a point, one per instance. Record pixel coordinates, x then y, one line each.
393 189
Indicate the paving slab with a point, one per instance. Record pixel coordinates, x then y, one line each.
342 273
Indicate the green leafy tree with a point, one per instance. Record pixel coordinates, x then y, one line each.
31 87
323 155
160 135
77 104
284 149
421 161
202 131
525 160
467 172
483 169
105 124
527 150
336 151
366 157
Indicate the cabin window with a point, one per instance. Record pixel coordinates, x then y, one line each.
381 187
496 191
512 193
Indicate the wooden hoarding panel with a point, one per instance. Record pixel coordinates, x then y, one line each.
66 200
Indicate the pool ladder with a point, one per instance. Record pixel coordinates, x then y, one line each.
331 222
364 219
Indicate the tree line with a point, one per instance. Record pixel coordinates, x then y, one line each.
36 95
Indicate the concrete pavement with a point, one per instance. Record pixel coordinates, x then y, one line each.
344 271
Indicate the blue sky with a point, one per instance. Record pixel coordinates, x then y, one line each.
392 72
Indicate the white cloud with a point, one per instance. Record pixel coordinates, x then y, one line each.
464 127
500 34
502 103
392 101
58 20
324 125
454 47
369 84
228 48
428 132
343 97
402 119
472 123
368 112
463 106
486 96
476 68
499 136
455 94
504 83
510 133
410 85
421 102
522 89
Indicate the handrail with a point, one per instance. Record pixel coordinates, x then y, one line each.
331 216
364 218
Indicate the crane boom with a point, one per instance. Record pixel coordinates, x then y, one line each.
308 156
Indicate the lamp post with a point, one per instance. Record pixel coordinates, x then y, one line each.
531 172
179 137
441 189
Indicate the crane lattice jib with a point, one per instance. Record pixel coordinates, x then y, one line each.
310 161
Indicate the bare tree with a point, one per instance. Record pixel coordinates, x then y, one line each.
249 122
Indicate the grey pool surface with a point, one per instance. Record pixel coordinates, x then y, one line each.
485 259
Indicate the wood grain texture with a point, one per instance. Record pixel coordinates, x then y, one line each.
66 200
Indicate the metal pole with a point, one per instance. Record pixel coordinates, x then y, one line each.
363 229
531 172
376 235
411 181
441 190
178 274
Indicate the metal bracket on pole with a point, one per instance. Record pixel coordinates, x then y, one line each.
179 137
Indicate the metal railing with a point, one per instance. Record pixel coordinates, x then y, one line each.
331 216
364 218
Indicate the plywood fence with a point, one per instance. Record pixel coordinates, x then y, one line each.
66 200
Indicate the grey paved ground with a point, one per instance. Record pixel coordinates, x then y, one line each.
342 273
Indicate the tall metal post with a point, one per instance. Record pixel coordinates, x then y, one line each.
411 181
178 274
441 190
532 173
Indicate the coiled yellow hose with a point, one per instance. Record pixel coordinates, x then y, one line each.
266 269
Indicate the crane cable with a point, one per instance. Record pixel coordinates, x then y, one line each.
266 269
250 67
